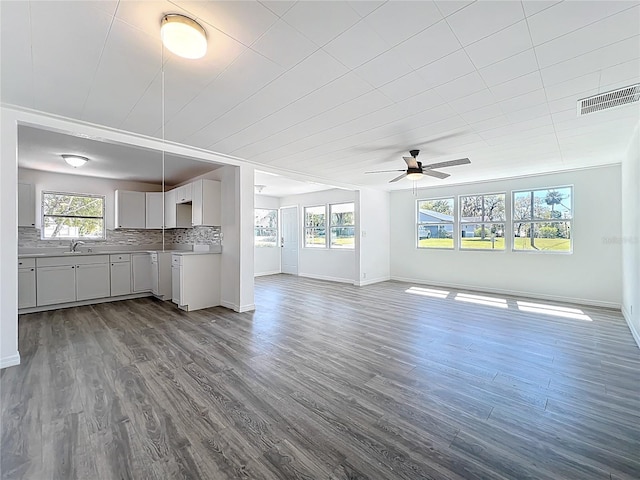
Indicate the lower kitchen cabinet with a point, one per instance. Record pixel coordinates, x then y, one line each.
141 272
120 278
92 281
26 287
56 284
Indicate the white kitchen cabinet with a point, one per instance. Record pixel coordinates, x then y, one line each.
195 280
26 287
26 205
176 215
206 203
130 208
183 193
120 278
154 210
161 275
140 272
55 284
92 281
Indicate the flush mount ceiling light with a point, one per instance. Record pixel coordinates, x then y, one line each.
183 36
75 160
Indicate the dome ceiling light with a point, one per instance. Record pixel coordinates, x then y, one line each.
75 160
183 36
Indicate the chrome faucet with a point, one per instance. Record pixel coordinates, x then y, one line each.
74 245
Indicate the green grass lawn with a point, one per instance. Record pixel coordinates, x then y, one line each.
542 244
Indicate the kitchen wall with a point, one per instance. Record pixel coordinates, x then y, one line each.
266 260
590 275
323 263
630 239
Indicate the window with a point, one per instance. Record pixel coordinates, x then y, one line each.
266 228
542 219
342 233
315 223
435 223
72 215
482 222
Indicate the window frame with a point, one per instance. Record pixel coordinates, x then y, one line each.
276 228
353 225
43 215
305 228
453 223
533 221
504 222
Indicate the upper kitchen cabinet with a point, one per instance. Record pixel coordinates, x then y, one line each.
206 203
176 215
184 193
26 205
154 211
130 209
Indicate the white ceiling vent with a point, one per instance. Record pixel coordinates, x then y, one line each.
607 100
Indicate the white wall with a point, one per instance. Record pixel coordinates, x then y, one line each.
323 263
59 182
631 236
590 275
373 237
266 259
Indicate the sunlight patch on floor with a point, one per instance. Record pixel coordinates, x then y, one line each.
428 292
565 312
482 300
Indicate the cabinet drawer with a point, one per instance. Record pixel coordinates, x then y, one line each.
26 262
120 257
176 260
72 260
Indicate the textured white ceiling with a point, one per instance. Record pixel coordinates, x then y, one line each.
273 185
338 88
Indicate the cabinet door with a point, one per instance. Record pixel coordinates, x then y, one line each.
26 287
206 203
154 212
92 281
155 277
120 278
183 194
26 205
55 285
140 272
130 209
170 209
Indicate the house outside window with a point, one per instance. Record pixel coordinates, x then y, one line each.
435 223
342 232
72 216
482 222
315 226
266 227
542 220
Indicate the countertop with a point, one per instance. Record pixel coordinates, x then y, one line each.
202 252
112 252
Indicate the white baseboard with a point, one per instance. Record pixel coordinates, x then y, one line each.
82 303
634 331
515 293
324 277
238 308
264 274
10 361
364 283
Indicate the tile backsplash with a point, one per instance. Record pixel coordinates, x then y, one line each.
29 237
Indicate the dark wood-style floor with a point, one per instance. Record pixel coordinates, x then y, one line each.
323 381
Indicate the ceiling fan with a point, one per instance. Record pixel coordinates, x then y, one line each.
415 170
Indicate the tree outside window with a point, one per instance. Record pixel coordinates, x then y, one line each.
72 216
482 222
435 223
542 219
315 224
342 225
266 227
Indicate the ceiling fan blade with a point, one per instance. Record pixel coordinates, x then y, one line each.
448 163
398 178
433 173
411 162
386 171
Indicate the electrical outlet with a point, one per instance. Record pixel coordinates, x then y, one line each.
364 275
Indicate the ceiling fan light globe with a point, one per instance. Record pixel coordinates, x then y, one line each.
414 176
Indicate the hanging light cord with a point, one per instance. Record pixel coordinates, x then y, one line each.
163 139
